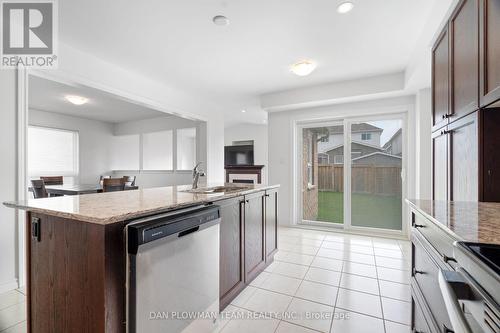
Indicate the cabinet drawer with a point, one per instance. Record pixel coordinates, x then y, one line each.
438 239
425 275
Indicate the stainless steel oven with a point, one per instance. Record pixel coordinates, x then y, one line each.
472 292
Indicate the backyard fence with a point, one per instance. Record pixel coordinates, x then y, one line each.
381 180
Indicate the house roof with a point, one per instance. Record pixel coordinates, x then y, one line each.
356 142
392 138
355 128
376 153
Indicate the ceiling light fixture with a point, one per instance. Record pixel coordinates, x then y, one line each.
243 111
77 100
220 20
345 7
303 68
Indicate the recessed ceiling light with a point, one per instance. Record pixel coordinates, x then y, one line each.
220 20
77 100
303 68
345 7
243 111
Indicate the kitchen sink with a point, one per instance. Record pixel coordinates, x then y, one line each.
217 189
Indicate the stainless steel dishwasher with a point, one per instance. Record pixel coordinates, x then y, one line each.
173 271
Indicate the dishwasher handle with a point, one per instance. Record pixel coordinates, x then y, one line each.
187 232
172 225
451 283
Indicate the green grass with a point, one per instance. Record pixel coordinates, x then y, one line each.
369 210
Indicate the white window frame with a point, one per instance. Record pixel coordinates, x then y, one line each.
297 173
367 135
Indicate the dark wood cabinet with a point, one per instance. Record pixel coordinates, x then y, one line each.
440 165
489 158
464 57
248 240
271 223
75 277
232 273
441 81
254 235
489 48
464 159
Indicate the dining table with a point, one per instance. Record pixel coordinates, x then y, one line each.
77 189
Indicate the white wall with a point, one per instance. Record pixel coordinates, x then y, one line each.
281 136
163 178
257 133
423 128
8 170
94 138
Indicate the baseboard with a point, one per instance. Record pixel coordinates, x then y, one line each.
5 287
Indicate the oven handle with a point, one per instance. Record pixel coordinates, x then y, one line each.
450 282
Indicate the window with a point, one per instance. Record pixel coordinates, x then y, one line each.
125 152
52 152
338 159
366 136
186 148
157 151
324 138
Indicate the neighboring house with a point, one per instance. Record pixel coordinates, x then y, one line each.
336 154
395 144
378 159
364 133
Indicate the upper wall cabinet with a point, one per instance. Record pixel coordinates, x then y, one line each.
464 57
440 81
489 41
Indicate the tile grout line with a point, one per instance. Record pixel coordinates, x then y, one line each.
380 299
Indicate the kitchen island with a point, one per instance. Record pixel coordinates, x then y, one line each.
76 257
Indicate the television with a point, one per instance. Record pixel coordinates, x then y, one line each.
238 155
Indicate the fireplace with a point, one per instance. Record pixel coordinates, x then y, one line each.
244 174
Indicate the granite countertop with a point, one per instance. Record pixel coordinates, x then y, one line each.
468 221
111 207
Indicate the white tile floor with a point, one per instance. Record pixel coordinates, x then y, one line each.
13 312
328 282
319 282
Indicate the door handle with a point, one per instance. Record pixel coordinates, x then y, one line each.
418 226
449 282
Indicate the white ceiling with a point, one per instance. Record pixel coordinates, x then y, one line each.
176 41
47 95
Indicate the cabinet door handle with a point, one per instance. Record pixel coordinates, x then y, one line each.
266 195
35 228
446 258
418 226
415 271
247 201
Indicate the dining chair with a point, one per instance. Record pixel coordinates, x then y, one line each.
113 184
129 180
53 180
103 177
39 191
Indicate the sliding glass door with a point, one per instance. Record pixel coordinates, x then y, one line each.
351 173
375 167
323 174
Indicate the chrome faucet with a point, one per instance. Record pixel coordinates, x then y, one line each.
196 175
